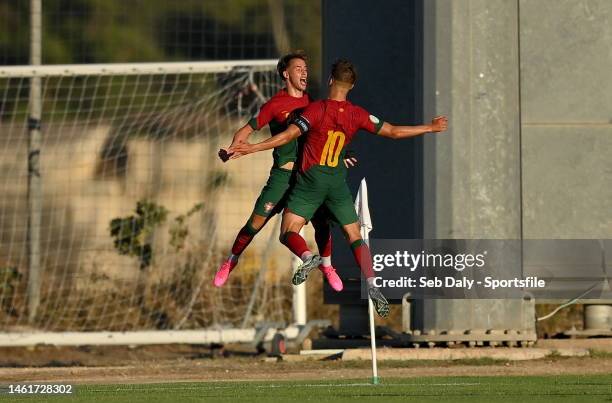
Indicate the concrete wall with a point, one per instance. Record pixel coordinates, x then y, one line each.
473 172
566 100
78 206
527 87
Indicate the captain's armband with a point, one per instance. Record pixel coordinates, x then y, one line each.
301 122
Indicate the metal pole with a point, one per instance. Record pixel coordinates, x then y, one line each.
375 379
260 275
299 295
34 177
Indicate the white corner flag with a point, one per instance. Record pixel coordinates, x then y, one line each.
363 211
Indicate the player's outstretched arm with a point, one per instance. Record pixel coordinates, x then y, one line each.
238 150
438 124
241 136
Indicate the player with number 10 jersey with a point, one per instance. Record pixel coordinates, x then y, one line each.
331 126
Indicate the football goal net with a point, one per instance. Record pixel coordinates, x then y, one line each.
115 211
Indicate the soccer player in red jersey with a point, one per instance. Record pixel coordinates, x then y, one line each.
294 71
330 125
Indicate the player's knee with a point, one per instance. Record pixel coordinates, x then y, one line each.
252 228
351 232
256 222
293 226
353 239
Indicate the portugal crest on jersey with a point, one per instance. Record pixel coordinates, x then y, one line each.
268 207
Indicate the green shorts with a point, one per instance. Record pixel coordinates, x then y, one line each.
273 196
316 188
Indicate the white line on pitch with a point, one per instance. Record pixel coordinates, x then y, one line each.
327 385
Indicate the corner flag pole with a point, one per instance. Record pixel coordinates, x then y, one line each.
363 211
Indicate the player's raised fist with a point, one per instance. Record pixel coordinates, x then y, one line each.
224 155
439 124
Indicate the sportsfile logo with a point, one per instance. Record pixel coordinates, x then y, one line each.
414 261
491 268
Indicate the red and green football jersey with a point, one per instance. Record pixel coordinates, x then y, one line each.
276 112
331 126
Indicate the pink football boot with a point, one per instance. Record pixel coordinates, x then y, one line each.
224 272
332 277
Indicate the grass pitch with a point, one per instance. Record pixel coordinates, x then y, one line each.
591 388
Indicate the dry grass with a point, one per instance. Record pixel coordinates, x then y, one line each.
564 320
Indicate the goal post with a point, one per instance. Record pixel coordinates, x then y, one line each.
131 69
136 144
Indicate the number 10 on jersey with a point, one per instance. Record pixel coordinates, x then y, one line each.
333 147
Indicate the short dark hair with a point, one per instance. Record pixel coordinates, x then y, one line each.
343 70
284 61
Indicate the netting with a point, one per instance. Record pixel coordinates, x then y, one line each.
137 210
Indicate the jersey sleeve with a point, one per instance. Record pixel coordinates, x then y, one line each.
263 116
369 122
309 117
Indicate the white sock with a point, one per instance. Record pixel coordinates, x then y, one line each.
233 258
370 282
306 255
326 261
